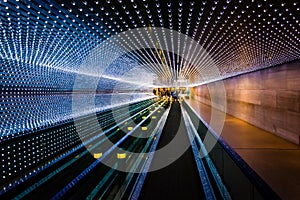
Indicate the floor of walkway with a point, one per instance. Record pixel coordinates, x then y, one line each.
174 180
276 160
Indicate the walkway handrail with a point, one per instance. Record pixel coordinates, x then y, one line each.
263 188
137 188
69 152
197 149
64 190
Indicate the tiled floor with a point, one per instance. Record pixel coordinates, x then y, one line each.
276 160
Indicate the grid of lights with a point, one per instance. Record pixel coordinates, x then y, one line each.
44 43
36 152
240 35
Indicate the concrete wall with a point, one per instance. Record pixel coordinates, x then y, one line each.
269 99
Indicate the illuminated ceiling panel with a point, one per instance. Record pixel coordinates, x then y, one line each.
56 37
44 44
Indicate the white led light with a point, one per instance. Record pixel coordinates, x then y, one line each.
42 47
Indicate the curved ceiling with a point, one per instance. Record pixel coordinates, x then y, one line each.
48 41
51 50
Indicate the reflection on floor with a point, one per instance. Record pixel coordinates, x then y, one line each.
276 160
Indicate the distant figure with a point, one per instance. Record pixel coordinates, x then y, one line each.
174 94
154 91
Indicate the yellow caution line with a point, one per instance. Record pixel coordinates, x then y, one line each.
144 128
129 128
153 117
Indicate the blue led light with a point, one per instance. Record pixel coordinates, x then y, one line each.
43 44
